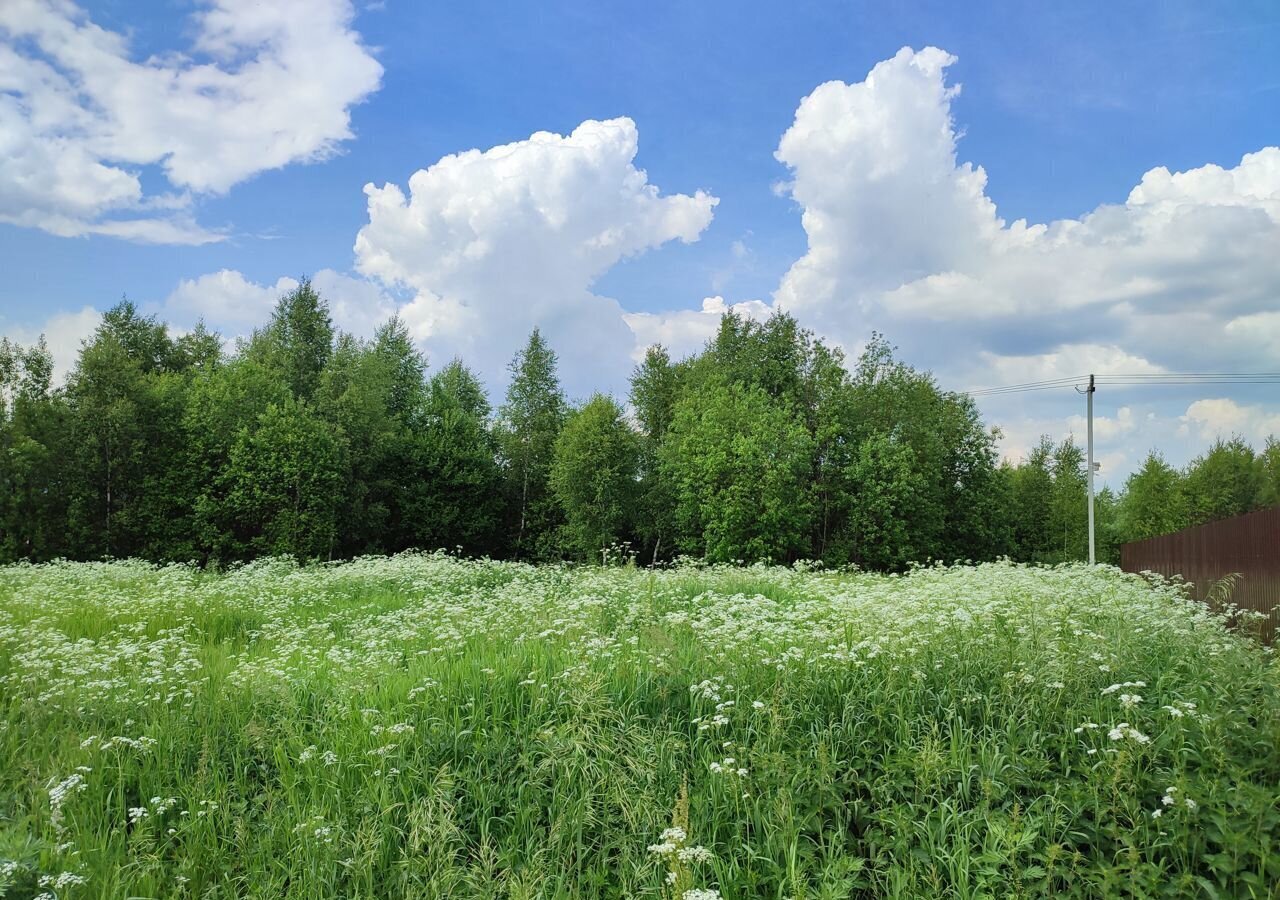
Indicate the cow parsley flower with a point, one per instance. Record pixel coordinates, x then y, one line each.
1125 730
1122 685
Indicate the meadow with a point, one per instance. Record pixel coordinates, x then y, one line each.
425 726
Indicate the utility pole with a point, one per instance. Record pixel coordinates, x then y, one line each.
1089 394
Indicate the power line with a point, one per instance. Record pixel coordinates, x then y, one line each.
1193 375
1195 381
1134 379
1048 384
1048 387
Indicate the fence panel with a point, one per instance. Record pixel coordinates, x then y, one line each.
1248 545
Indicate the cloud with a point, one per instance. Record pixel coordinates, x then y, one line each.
884 203
226 298
898 227
1257 334
903 238
684 332
492 243
1221 417
261 86
234 305
1105 428
1066 361
63 332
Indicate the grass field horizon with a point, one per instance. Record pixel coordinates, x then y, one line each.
427 726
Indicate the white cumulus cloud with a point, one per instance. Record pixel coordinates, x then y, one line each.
492 243
1222 417
63 334
261 86
684 332
229 302
1184 275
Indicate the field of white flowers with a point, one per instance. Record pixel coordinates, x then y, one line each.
422 726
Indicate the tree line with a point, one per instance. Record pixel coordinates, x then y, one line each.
310 442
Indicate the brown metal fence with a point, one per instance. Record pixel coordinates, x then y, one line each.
1247 545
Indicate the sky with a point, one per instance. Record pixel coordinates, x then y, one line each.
1009 191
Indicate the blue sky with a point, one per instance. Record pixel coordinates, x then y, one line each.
1064 107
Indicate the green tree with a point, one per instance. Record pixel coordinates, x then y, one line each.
286 476
594 475
1223 482
1153 501
225 404
1069 511
298 341
655 388
1031 500
528 424
33 440
952 513
1107 528
738 462
884 483
144 339
1269 473
772 355
126 400
832 422
457 501
1047 504
374 394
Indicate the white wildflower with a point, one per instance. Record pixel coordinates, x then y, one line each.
1125 730
694 855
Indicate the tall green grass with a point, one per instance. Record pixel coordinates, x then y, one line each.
422 726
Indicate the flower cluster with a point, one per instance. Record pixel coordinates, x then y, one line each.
1125 731
1169 799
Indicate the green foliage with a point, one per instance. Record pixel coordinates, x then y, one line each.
33 436
884 486
1223 482
950 477
1108 527
1269 473
738 464
126 401
764 445
458 501
285 476
1049 497
298 341
594 476
374 395
225 403
1153 500
1069 507
529 423
422 726
655 387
